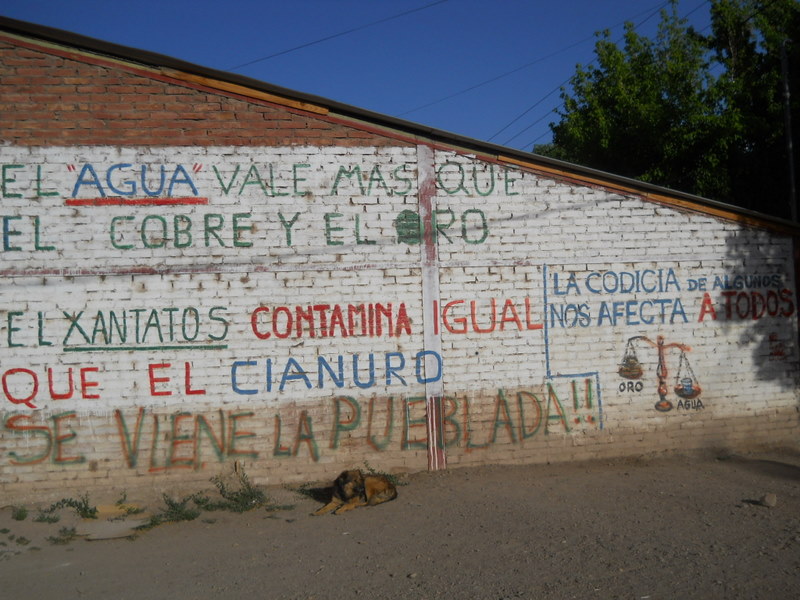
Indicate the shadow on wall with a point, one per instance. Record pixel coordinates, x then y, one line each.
758 298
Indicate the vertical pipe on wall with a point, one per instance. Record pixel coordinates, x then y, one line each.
787 114
429 255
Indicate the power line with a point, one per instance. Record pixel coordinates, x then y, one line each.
512 71
544 116
529 109
336 35
540 119
496 78
653 11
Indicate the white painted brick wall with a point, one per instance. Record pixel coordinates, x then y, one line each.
519 385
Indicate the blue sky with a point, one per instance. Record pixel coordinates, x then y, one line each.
487 69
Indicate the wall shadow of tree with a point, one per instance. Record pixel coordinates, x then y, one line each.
764 316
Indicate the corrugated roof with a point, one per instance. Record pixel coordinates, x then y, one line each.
240 84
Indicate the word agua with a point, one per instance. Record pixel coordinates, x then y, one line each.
128 180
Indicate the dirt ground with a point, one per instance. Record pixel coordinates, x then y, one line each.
675 527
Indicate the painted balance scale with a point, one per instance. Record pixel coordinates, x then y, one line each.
686 385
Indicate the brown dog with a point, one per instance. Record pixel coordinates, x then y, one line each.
353 489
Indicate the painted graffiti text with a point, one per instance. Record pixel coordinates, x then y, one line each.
250 377
458 316
330 320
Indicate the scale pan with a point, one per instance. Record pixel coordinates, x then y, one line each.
630 369
688 394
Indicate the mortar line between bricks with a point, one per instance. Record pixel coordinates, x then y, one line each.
243 268
284 267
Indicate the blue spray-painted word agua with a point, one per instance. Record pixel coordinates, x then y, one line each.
128 180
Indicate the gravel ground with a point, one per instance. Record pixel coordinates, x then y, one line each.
675 527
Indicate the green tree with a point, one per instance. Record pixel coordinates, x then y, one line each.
748 40
655 110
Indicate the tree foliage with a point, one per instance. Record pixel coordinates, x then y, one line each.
701 114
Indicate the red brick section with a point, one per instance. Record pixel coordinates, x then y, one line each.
48 100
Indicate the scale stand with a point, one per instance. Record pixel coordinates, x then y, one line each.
686 385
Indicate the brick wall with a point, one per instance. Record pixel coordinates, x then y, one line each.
193 277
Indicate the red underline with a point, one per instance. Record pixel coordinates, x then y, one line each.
133 201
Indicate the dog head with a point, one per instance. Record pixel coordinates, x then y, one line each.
349 484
